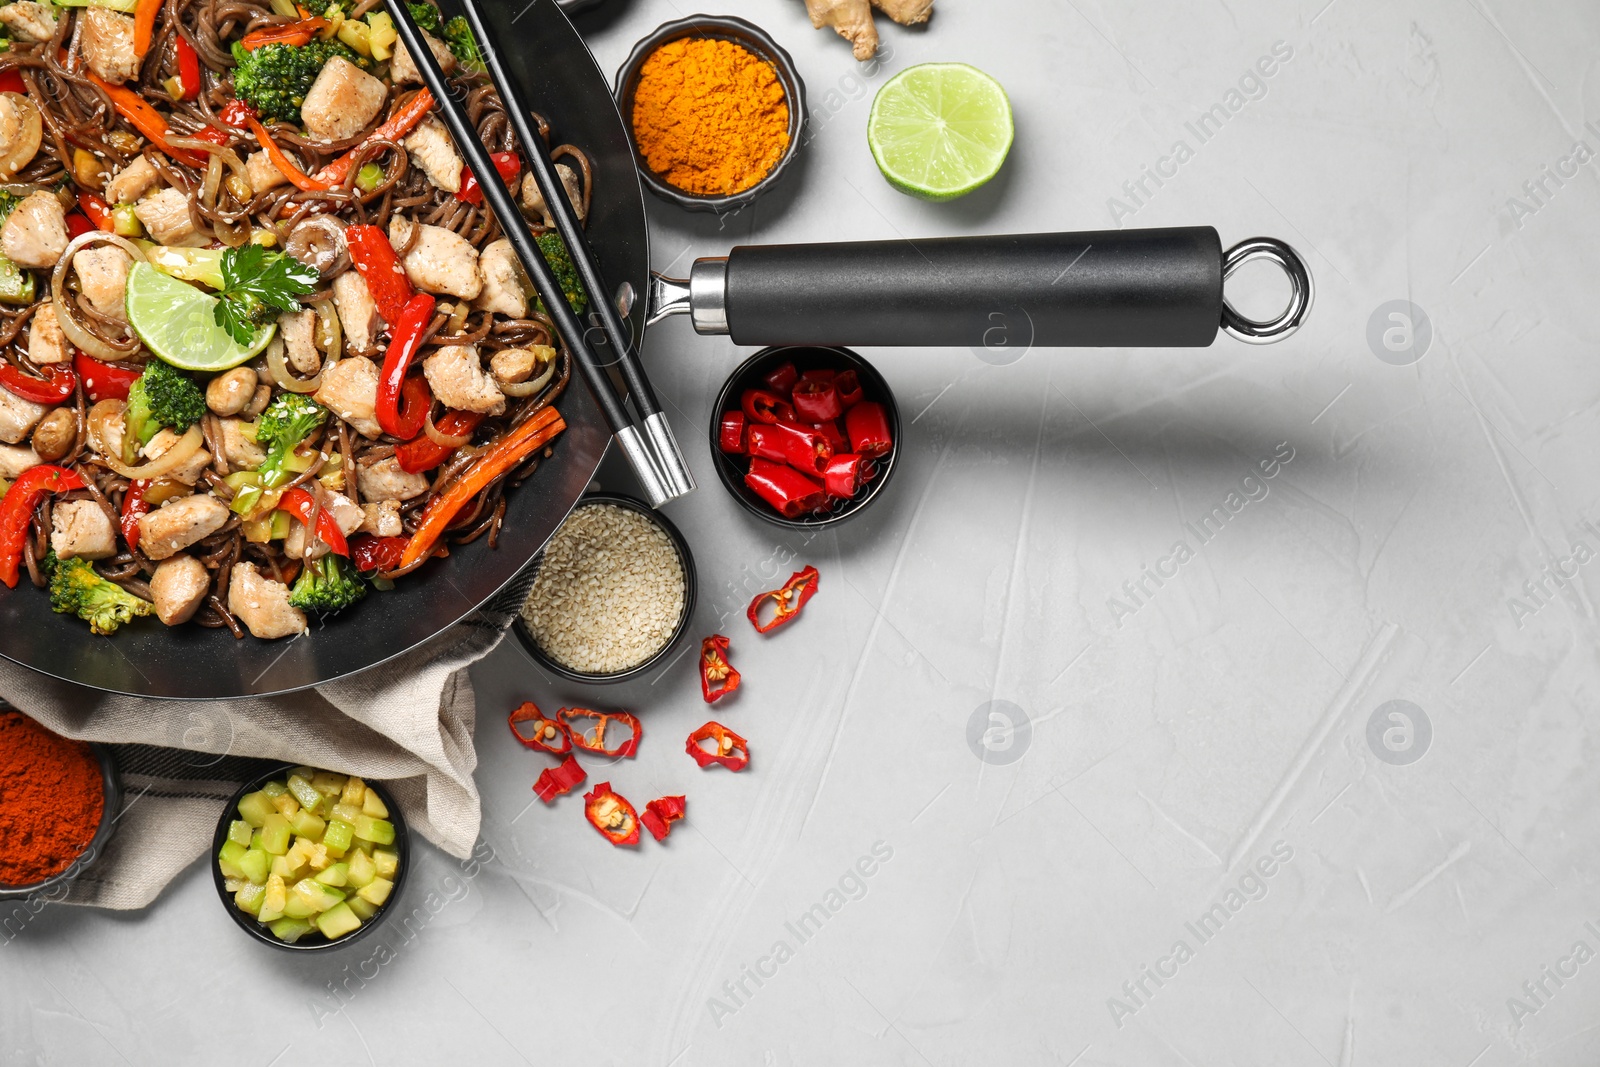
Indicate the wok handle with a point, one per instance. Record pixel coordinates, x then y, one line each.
1157 288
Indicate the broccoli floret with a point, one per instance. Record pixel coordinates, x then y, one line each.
555 253
427 16
275 78
288 420
458 35
327 584
75 589
163 396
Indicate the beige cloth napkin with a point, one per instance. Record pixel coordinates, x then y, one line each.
407 724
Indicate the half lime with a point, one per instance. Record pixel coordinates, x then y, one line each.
940 130
176 321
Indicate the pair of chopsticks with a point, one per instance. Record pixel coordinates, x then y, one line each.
654 454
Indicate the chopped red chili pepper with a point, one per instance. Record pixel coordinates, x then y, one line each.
819 374
134 505
57 384
729 749
611 814
781 378
786 489
759 405
788 599
846 475
424 453
731 438
404 423
554 781
717 676
848 386
868 427
799 446
508 166
660 814
104 381
371 553
594 739
16 511
549 735
816 401
834 435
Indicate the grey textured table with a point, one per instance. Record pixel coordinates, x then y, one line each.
1212 837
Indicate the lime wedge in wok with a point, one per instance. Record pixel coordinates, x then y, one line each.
940 130
175 321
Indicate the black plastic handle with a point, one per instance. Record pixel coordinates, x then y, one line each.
1159 288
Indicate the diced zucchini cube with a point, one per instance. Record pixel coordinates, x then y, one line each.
360 869
286 804
363 910
373 805
280 867
386 863
255 838
233 885
376 892
337 875
239 832
347 812
295 907
307 773
255 807
338 921
274 895
378 831
305 793
328 783
289 930
275 835
354 790
275 789
255 866
339 834
307 825
334 853
315 895
320 859
228 857
249 898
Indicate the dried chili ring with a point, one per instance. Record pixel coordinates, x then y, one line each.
717 676
612 815
554 781
659 815
549 735
789 599
732 751
602 720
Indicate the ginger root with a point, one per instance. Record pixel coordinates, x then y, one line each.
852 19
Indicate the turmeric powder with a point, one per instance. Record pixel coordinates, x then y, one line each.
709 116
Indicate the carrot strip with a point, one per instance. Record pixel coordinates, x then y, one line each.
282 162
402 122
144 118
144 26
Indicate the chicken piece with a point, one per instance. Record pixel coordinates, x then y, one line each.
437 260
21 131
178 587
46 342
345 512
342 100
402 68
18 417
29 21
385 480
512 366
107 43
298 329
358 314
177 524
533 200
382 519
458 380
103 276
132 181
241 452
192 468
165 214
263 604
14 459
505 285
82 528
263 173
350 390
35 233
432 150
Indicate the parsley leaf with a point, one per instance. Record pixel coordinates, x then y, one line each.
257 286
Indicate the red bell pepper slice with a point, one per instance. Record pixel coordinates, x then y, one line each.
761 406
833 433
11 82
660 814
78 224
868 427
788 599
424 453
789 442
594 739
403 347
611 814
731 434
380 268
781 378
16 511
554 781
299 503
508 166
96 210
717 676
57 384
144 118
294 34
188 68
786 489
816 401
401 122
846 475
134 506
549 735
237 113
848 386
728 748
370 553
104 381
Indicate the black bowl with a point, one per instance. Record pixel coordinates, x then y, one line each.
313 941
740 32
685 558
731 469
97 844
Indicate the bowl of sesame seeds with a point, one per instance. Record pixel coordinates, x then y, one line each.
613 595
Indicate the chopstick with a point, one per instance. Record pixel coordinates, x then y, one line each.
636 447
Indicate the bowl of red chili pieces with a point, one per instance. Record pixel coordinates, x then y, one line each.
805 437
58 804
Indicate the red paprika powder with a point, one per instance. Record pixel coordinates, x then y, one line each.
51 800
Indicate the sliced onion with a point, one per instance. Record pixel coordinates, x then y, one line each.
103 412
170 460
282 375
441 439
532 385
67 313
218 151
329 335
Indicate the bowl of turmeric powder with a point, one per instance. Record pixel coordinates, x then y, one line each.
716 109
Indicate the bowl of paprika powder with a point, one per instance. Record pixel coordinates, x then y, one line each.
716 109
57 803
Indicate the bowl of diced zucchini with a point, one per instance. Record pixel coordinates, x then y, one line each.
307 859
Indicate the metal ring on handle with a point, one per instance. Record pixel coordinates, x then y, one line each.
1265 333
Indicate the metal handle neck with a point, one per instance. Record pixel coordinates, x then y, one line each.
703 297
